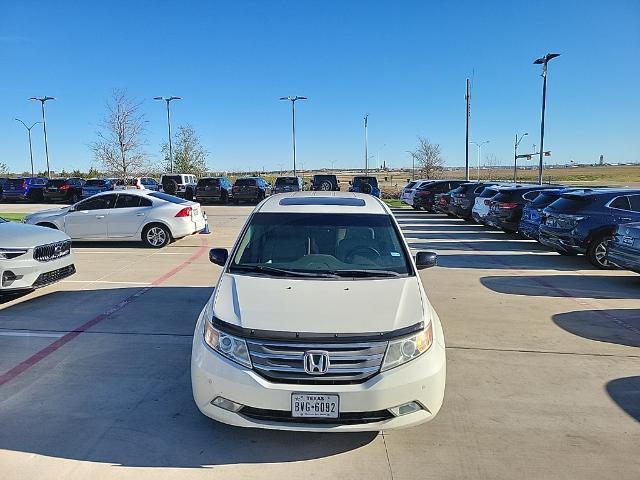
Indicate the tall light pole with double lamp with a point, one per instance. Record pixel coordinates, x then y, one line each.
515 155
293 101
30 149
169 100
479 145
543 61
42 101
413 164
366 144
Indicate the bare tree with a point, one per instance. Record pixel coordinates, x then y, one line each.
428 158
3 168
189 156
491 166
119 146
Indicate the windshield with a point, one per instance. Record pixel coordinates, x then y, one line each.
318 243
543 199
570 203
94 183
488 193
167 198
208 182
286 181
373 181
244 182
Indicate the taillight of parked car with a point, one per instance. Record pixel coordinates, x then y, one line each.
64 187
24 184
506 205
185 212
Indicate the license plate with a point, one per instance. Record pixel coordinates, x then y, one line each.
305 405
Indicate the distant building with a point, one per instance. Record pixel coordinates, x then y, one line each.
601 159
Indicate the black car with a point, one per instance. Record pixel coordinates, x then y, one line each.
624 249
63 190
327 183
425 196
505 209
250 189
288 184
213 189
584 221
464 197
3 182
442 203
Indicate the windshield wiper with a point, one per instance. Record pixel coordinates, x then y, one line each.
366 273
279 271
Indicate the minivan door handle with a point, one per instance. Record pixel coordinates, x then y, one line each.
139 214
99 216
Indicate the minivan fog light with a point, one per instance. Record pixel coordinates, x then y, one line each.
226 404
405 409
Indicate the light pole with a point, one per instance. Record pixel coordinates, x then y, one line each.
293 125
169 100
479 145
366 145
30 149
543 61
413 164
42 101
332 162
515 155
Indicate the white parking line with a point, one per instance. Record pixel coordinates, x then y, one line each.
105 281
19 333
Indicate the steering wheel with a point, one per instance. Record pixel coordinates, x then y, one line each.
369 253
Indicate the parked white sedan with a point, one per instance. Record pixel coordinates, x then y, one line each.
32 257
154 218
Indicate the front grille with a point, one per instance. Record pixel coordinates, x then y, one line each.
283 362
54 276
345 418
52 251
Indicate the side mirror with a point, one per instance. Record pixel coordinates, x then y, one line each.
218 256
426 260
350 182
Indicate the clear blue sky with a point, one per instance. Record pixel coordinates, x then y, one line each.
403 62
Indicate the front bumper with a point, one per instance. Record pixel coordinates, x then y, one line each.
421 380
30 273
529 229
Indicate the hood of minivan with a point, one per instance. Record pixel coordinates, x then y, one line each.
319 306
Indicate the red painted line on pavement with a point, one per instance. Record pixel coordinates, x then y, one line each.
52 347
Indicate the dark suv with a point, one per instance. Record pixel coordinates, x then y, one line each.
63 190
584 221
532 216
250 189
96 185
505 209
24 188
288 184
624 250
425 196
325 183
463 198
364 184
213 189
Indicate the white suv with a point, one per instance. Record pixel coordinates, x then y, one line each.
319 321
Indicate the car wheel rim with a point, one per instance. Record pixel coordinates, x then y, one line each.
156 236
601 254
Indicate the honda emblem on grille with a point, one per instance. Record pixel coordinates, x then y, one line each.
316 362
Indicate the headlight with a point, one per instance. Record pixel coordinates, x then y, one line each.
407 348
8 253
233 348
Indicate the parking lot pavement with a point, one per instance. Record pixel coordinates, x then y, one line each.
543 370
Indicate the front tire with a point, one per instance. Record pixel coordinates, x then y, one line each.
156 236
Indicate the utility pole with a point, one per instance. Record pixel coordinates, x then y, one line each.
293 125
30 149
466 145
169 100
42 101
543 61
515 156
366 145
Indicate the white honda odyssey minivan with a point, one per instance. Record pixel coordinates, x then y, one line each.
319 321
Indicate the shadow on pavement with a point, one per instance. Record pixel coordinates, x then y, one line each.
574 286
120 393
621 326
6 297
488 261
481 246
626 393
